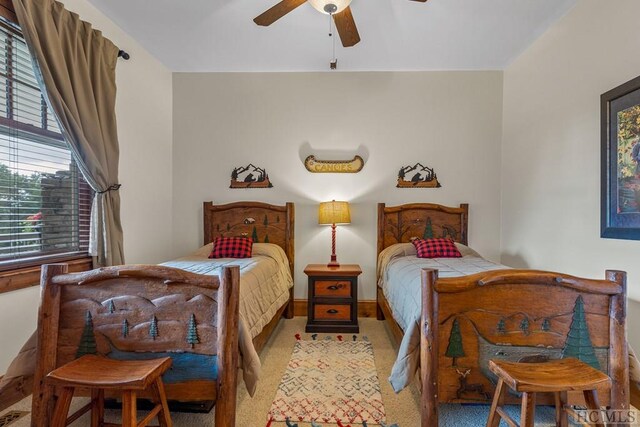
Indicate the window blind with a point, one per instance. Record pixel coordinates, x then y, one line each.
45 204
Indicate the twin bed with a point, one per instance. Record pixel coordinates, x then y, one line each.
399 272
452 315
266 278
194 309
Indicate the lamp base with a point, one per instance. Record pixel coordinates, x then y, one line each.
334 259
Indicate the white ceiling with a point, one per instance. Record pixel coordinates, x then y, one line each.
219 35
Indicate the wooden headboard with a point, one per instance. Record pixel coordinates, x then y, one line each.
400 224
263 222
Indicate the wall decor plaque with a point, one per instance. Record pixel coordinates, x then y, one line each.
417 176
250 176
334 166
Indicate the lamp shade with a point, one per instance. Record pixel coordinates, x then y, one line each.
334 213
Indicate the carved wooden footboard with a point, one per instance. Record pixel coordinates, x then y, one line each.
137 312
518 315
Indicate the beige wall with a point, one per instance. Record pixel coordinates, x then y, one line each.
551 145
449 120
144 108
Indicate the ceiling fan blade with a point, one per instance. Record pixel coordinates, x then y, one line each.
347 28
277 12
421 1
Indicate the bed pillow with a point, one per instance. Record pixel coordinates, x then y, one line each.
467 251
231 247
436 248
203 251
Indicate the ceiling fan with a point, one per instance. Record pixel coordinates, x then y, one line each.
338 9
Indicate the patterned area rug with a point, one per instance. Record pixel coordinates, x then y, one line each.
330 381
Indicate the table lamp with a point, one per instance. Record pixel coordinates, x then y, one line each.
333 213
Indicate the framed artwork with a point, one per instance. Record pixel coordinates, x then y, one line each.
620 162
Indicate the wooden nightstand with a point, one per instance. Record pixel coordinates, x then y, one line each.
333 298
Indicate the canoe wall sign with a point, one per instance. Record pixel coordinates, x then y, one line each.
250 176
334 166
417 176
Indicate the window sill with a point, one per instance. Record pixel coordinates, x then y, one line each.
20 278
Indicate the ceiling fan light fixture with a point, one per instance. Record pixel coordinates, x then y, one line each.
330 7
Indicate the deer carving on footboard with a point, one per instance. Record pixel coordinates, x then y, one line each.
465 387
519 316
142 312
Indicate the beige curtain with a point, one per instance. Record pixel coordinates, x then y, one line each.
76 67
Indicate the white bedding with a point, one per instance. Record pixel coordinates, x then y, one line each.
399 272
265 280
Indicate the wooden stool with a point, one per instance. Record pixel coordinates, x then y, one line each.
99 374
556 376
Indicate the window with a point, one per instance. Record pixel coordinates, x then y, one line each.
45 203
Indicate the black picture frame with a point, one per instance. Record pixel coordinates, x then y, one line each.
620 202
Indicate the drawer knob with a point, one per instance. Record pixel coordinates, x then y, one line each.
332 311
335 287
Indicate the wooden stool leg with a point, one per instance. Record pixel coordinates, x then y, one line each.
494 418
591 399
97 408
562 419
129 409
528 414
164 417
61 410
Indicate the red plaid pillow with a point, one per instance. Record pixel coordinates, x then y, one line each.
231 247
436 248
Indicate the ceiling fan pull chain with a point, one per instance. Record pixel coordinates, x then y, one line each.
334 49
333 64
333 59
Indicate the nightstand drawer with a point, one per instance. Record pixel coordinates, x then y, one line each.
332 288
332 312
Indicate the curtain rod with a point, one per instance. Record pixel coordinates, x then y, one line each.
124 55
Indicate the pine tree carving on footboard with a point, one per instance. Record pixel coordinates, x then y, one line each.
142 312
518 316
